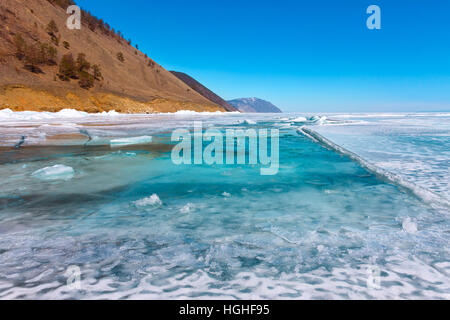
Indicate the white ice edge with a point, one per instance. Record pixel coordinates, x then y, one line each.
190 112
131 141
8 114
423 194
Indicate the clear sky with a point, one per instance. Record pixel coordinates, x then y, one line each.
315 55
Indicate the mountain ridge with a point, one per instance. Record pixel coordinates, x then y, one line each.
204 91
254 105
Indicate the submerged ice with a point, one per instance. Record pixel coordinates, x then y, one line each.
409 225
56 172
139 226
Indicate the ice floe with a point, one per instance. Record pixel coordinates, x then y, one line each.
424 194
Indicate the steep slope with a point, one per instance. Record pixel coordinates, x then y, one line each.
128 81
254 105
205 92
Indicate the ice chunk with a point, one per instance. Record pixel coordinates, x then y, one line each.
246 121
149 201
409 225
57 172
187 208
130 141
300 119
249 122
318 120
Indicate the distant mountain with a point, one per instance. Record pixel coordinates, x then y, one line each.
254 105
201 89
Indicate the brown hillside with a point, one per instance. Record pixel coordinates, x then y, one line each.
204 91
136 84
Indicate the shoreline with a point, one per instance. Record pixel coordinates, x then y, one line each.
19 98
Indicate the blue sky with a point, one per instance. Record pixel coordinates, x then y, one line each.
301 55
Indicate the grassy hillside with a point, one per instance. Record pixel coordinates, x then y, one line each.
46 66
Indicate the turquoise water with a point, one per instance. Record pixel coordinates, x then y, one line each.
139 226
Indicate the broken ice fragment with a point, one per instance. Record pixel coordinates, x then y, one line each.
409 225
150 201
